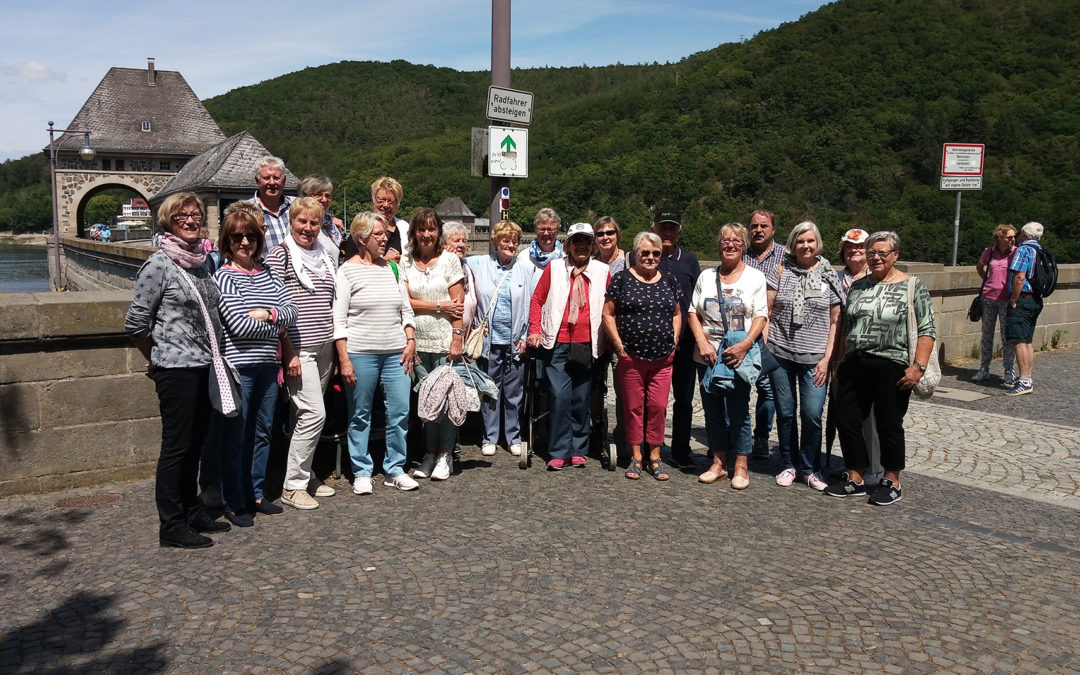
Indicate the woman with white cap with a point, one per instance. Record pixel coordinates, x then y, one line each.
564 321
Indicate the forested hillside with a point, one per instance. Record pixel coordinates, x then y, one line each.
839 117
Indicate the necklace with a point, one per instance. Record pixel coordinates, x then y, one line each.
888 278
425 267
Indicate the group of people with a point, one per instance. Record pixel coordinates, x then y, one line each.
286 300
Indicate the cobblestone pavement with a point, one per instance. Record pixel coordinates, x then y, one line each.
503 570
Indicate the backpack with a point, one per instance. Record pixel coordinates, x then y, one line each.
1044 273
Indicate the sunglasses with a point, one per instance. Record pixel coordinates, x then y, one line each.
649 254
606 233
239 237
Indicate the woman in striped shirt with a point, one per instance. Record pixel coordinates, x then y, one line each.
373 330
307 268
256 309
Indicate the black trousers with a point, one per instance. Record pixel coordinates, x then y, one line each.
865 382
683 382
184 400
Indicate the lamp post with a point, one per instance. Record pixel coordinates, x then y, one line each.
87 154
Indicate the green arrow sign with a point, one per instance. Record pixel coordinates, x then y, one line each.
508 144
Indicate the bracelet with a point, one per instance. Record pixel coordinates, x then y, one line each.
409 339
438 307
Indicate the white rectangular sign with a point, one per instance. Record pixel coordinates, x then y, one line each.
962 159
961 182
509 105
508 152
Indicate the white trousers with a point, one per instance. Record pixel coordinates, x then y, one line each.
306 396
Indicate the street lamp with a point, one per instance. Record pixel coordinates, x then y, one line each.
86 154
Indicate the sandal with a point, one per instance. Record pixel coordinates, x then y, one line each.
633 472
656 468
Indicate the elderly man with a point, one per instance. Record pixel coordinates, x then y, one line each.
270 197
1024 306
546 247
764 255
683 265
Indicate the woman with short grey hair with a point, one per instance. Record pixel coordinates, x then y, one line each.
319 186
804 309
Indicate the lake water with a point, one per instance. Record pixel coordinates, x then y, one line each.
23 269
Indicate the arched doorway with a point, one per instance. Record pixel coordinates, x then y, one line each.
105 204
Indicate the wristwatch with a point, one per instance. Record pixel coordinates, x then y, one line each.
920 366
458 331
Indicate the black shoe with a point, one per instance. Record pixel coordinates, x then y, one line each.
683 460
846 489
886 493
184 537
240 518
761 449
267 507
200 522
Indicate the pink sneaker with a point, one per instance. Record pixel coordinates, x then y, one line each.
785 477
578 461
556 464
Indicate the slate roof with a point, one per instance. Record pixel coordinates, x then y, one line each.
115 112
453 207
229 165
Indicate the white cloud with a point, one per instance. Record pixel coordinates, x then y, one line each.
32 70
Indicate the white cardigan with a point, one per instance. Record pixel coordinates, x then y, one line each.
559 293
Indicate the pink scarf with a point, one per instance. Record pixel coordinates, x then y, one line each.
578 298
188 256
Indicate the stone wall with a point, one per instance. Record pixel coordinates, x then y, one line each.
76 407
95 265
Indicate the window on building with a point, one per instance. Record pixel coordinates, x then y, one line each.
106 165
119 165
164 166
146 125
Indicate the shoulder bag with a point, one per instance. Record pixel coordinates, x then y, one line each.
926 385
474 344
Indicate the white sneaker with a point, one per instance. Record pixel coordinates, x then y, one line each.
980 376
443 465
324 490
362 485
487 450
515 449
426 466
815 481
402 482
299 499
785 477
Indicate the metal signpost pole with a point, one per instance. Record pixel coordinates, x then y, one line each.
500 77
87 154
956 229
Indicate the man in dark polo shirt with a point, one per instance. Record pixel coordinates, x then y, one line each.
764 255
683 265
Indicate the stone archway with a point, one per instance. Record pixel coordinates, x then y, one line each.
98 188
76 187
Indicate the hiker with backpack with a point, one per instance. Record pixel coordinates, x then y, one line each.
1032 276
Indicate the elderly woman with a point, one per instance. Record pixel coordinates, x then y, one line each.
173 320
564 321
876 366
435 283
504 287
545 247
993 267
455 238
376 345
853 256
386 194
255 309
607 234
320 187
307 267
728 312
643 321
804 299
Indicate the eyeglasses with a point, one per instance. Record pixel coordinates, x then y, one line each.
239 237
879 254
731 242
606 233
181 217
649 254
383 201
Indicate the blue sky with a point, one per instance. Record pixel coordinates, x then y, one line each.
53 55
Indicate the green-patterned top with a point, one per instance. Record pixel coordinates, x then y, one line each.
875 319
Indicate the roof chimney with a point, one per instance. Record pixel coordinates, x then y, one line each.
151 76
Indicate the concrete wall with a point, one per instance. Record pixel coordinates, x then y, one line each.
76 407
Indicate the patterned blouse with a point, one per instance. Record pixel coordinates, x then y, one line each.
875 319
643 314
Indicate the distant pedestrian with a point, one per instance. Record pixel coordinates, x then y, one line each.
1025 305
993 268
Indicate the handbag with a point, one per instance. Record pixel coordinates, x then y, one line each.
473 348
975 311
768 360
580 355
226 394
926 385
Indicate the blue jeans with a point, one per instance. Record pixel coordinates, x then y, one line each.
570 398
245 439
727 418
811 403
764 409
387 370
